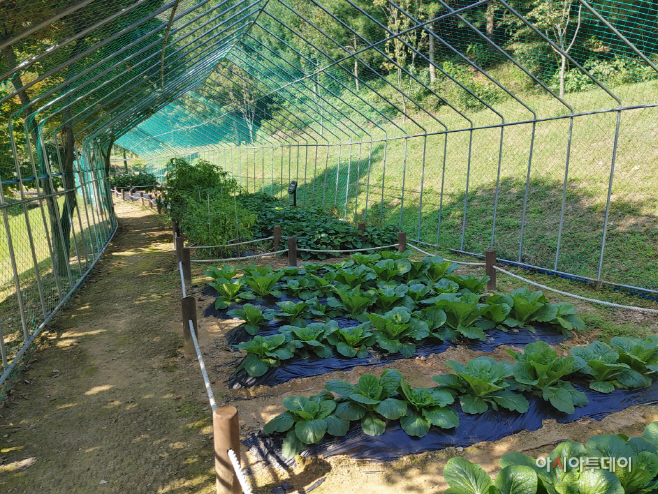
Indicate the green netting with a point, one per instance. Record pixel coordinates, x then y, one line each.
524 125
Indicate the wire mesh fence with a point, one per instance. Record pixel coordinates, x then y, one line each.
524 125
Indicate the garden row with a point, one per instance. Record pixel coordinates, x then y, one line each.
211 208
605 464
477 385
398 302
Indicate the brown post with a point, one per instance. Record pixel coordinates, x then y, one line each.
402 241
123 197
188 306
292 251
226 435
187 267
277 237
179 243
362 227
151 201
490 262
141 197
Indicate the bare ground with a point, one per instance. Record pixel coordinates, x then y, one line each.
110 397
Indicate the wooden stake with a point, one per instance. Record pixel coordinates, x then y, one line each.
187 267
277 237
402 241
490 262
179 243
362 227
226 435
188 306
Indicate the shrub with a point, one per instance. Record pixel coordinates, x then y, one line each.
126 181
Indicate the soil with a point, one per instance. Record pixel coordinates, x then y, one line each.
111 404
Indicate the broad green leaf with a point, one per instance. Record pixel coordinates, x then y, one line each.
337 426
414 424
602 386
390 381
446 418
291 445
280 423
311 431
372 425
465 477
340 387
325 409
560 398
255 366
512 401
473 405
369 386
517 479
350 411
391 408
599 482
651 433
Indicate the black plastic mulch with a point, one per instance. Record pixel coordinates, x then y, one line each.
490 426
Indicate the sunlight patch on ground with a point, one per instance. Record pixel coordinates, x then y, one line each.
17 465
66 405
69 334
98 389
13 448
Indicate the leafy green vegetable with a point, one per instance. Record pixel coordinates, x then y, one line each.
417 292
427 407
303 289
396 328
462 311
602 363
353 341
387 298
465 477
387 269
480 383
354 300
501 306
253 316
226 272
306 420
325 284
264 352
354 277
471 283
640 354
370 400
366 259
310 338
437 267
529 306
293 312
540 369
228 292
262 280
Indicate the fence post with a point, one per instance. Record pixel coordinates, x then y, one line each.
151 201
187 267
362 227
277 237
123 197
490 262
179 243
292 251
402 241
226 435
188 306
141 197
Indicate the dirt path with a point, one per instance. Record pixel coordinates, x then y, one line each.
106 406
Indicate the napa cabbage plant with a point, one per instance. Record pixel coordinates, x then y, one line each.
397 330
602 363
470 283
482 383
639 354
352 341
354 300
462 311
387 298
465 477
293 312
303 289
371 401
262 280
252 316
309 338
437 268
353 277
388 269
324 284
540 370
500 307
229 291
366 259
427 407
306 421
226 272
264 352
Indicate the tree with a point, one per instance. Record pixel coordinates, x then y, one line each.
555 18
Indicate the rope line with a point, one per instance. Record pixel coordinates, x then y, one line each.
228 245
567 294
204 373
449 260
182 280
350 250
239 473
241 258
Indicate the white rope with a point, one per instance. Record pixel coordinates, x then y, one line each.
228 245
567 294
239 473
182 280
349 250
206 380
241 258
449 260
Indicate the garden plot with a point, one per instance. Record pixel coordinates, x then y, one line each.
415 370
